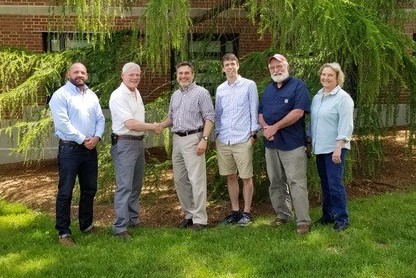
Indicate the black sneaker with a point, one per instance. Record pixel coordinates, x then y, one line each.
186 223
233 218
324 221
245 219
340 226
198 227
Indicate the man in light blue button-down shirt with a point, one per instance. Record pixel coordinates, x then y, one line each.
79 124
236 125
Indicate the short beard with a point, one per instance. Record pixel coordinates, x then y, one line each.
76 83
280 77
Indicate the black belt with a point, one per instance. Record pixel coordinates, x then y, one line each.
65 142
130 137
72 143
189 132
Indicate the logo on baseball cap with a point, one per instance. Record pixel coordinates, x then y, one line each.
278 57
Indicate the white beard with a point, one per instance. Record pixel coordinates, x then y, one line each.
280 77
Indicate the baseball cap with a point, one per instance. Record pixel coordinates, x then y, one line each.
278 57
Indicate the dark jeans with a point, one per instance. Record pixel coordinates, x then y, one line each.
334 197
75 160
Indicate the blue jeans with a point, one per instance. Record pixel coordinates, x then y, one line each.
334 197
75 160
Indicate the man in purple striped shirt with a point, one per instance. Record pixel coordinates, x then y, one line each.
191 115
236 125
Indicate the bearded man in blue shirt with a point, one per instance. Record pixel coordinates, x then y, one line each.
282 116
79 125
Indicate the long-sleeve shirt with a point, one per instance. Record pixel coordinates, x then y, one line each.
236 108
189 108
76 115
332 119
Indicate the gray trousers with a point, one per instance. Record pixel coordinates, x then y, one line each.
288 183
190 177
128 159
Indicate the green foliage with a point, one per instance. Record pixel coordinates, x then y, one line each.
95 19
40 74
167 26
364 38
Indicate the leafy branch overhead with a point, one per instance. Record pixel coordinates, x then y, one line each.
365 37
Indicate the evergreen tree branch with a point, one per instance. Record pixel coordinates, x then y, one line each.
215 11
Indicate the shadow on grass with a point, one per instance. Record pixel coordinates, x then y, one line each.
379 243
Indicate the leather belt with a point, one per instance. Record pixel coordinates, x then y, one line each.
69 142
130 137
189 132
72 143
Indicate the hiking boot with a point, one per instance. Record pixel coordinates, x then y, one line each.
232 218
302 229
198 227
123 235
66 240
186 223
277 222
246 219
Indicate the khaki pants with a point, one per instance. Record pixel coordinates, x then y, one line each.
288 183
190 177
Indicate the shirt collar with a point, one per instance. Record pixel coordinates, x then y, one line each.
333 92
127 90
236 81
284 82
75 88
188 88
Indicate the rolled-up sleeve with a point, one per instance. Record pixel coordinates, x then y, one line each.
346 120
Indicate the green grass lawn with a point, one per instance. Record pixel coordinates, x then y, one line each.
381 242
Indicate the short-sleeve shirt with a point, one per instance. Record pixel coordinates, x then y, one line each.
276 103
126 105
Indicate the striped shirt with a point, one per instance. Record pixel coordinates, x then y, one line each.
236 108
190 107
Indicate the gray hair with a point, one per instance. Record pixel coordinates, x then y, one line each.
337 68
130 67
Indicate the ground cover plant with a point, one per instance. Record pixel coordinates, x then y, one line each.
379 243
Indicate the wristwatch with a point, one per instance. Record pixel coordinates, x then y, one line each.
205 138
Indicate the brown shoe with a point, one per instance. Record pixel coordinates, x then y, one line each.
198 227
303 229
66 240
123 235
277 222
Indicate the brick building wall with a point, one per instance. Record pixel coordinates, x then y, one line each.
22 23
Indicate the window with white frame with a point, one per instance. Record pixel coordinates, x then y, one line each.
56 41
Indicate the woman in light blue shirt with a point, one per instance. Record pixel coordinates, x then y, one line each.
331 130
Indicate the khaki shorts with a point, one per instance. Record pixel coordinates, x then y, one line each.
235 158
